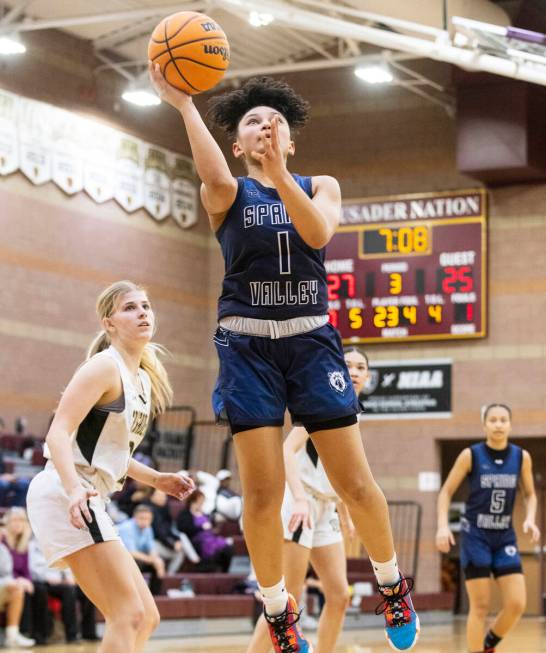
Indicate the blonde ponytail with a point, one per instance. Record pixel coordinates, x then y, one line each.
162 392
100 343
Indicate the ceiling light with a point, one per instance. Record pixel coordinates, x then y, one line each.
259 19
374 74
11 45
141 93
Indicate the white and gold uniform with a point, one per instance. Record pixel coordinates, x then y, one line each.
322 499
102 447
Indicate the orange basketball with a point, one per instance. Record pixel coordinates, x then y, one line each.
191 50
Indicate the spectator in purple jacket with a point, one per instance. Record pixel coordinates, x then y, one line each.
215 551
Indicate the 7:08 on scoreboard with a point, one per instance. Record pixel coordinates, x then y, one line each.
421 277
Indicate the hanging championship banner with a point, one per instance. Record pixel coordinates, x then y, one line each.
98 168
35 146
157 184
50 144
9 146
128 191
184 192
67 161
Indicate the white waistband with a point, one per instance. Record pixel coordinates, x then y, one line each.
273 329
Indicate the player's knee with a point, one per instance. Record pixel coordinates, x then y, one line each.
130 616
263 501
151 619
338 598
357 493
515 605
479 608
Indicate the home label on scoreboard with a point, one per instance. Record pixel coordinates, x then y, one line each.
409 267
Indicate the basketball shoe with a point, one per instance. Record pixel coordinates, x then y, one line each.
401 620
285 631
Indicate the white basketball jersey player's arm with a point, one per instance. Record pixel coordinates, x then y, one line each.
295 440
460 469
177 485
345 519
96 382
528 487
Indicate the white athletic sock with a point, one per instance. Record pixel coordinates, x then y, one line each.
275 598
386 572
12 630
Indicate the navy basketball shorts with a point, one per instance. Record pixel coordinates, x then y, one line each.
485 552
261 377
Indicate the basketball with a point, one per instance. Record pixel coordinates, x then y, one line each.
191 50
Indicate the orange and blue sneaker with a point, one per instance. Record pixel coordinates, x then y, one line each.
401 620
285 631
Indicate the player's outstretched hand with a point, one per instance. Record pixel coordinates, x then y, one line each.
166 92
444 539
531 528
300 515
177 485
78 508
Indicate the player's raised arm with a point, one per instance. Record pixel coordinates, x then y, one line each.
315 219
462 466
219 185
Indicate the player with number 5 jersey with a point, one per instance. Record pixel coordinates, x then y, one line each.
494 468
276 349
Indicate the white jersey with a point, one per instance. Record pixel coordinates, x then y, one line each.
312 473
104 442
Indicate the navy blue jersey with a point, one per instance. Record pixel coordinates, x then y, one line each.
493 486
270 272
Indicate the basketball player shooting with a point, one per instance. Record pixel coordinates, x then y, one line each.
275 345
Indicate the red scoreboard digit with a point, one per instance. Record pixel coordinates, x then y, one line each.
410 267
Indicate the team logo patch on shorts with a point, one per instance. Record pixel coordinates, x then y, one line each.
337 381
510 550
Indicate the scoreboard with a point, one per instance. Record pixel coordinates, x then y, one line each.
409 267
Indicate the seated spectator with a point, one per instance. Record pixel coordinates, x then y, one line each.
51 582
215 551
229 505
60 584
12 599
13 490
138 537
171 545
16 538
132 495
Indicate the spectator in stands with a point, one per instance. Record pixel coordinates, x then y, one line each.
13 490
132 495
12 599
215 551
171 545
138 537
57 583
229 505
16 538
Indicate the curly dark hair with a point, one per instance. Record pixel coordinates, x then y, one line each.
226 110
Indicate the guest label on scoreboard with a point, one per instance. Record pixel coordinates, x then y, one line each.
409 267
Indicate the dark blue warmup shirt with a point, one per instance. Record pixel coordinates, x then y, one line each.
493 486
270 272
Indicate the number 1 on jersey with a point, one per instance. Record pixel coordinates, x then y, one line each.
284 252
